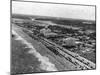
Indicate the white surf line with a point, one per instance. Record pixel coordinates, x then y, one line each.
45 63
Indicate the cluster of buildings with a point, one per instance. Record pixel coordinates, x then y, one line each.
79 40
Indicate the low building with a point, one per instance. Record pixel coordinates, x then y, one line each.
47 32
69 41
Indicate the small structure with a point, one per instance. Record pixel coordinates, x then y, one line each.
69 42
47 32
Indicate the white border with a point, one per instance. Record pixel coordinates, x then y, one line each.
5 37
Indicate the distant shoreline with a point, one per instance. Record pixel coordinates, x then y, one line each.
50 17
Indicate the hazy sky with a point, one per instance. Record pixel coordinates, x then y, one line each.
54 10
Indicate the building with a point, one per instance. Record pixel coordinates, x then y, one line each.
47 32
69 42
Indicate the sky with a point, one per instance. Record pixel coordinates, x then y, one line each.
54 10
